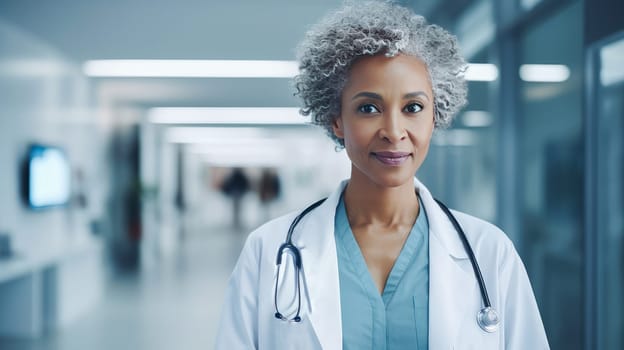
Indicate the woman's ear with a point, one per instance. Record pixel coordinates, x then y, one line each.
338 127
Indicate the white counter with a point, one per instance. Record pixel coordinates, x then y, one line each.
49 287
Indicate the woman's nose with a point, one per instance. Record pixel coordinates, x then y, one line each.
392 129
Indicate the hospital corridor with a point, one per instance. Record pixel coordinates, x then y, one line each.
143 142
172 306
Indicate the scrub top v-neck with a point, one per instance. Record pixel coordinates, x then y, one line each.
399 317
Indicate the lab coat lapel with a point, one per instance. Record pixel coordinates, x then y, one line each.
452 287
320 270
451 292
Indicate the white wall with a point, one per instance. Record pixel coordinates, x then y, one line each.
44 98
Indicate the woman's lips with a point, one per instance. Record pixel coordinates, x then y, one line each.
391 158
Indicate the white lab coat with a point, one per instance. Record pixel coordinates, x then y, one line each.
248 320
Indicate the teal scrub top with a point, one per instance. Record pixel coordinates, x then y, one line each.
398 318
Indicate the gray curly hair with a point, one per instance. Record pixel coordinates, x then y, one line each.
370 28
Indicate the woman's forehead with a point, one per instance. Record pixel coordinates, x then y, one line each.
397 72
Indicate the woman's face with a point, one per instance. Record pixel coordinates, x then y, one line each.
386 118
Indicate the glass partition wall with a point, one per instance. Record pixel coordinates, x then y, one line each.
605 230
550 168
539 150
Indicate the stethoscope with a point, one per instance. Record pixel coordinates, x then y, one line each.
487 317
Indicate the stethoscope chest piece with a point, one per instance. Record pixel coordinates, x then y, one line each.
488 319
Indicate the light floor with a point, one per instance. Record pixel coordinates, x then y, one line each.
173 305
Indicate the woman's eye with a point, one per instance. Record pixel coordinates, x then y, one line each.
368 109
413 108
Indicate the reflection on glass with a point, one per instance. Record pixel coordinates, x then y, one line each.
461 165
551 173
529 4
475 28
610 102
544 73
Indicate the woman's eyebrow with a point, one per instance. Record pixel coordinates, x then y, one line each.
415 94
369 95
378 96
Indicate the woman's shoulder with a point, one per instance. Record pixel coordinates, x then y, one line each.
477 224
271 233
277 229
483 233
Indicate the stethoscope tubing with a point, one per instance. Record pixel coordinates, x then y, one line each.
487 318
298 218
290 248
468 248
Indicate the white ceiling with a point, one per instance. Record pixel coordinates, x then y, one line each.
184 29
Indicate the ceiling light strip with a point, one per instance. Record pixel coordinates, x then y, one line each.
190 68
544 73
481 72
138 68
227 115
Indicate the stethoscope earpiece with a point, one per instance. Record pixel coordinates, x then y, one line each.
279 316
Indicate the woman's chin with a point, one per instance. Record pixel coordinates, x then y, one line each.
395 180
396 177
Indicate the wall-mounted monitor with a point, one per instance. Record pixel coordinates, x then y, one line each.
47 180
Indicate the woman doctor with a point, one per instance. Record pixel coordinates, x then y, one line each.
379 265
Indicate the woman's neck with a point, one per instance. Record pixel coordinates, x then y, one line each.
371 204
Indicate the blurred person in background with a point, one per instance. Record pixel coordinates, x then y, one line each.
380 264
269 190
235 186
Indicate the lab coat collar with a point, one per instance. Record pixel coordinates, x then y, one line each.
449 273
439 224
321 280
320 271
